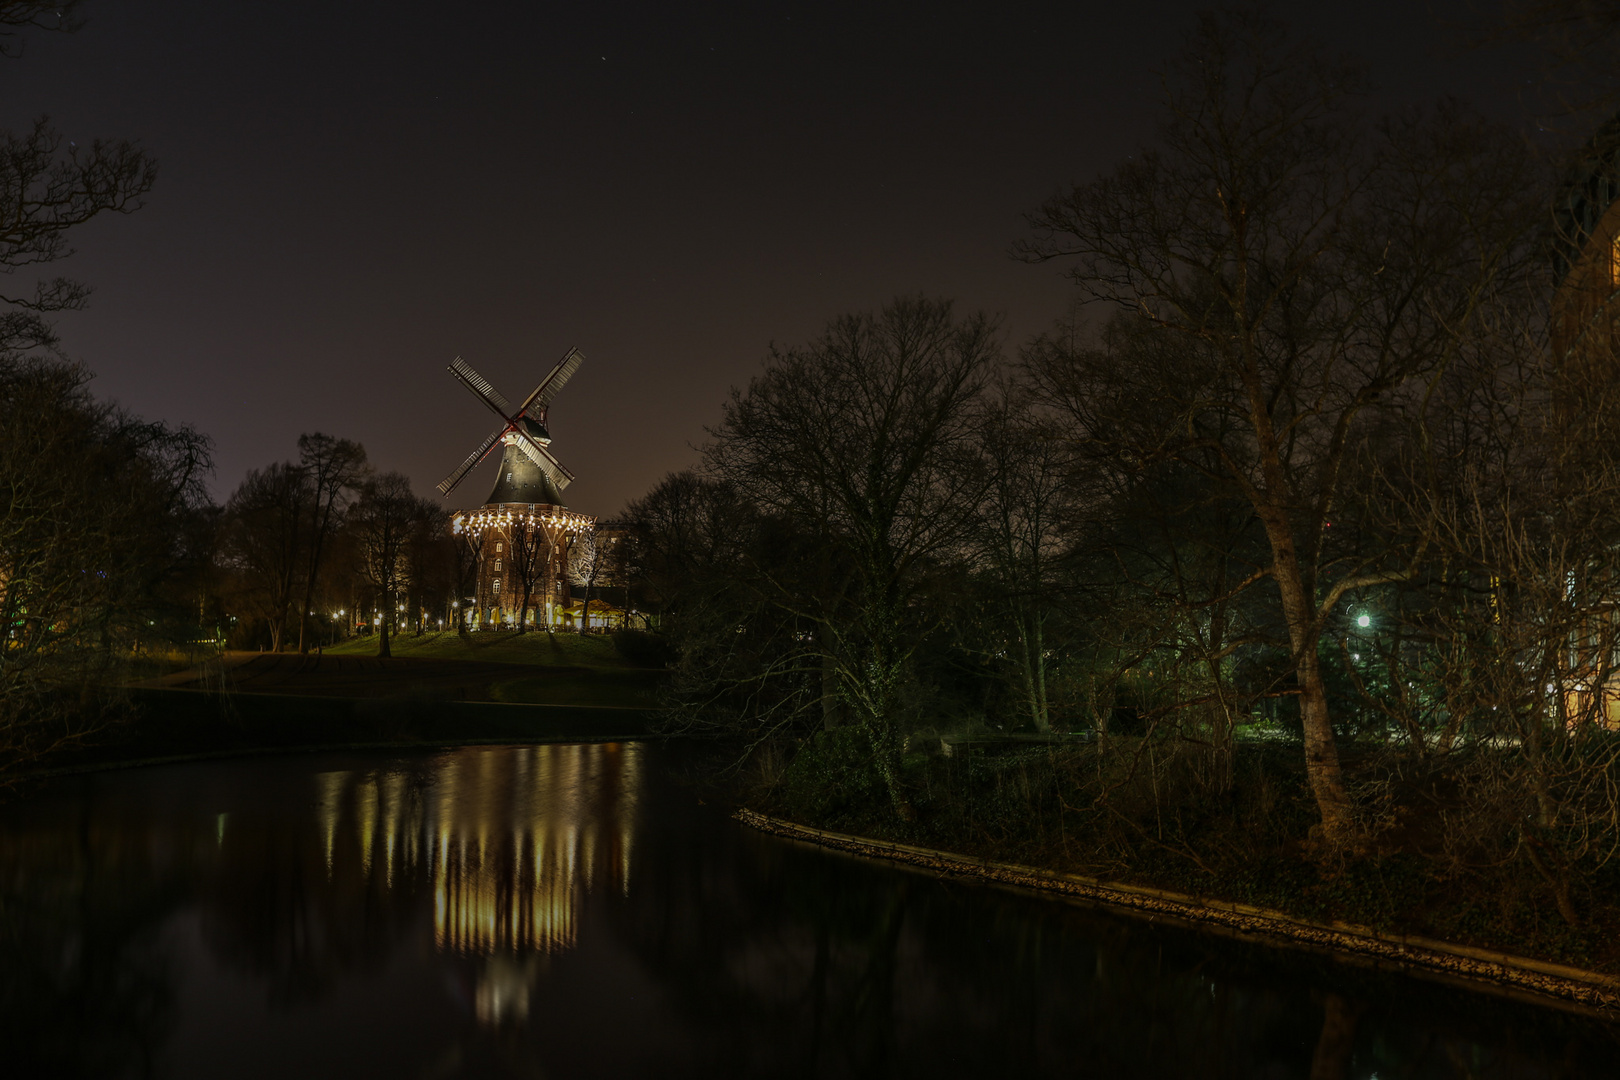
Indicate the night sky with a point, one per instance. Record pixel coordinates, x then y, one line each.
351 194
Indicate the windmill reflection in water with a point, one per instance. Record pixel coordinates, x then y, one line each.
508 839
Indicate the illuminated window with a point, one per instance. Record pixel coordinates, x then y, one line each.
497 547
1614 261
497 584
497 564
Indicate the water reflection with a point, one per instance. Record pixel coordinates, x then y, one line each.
511 848
557 911
507 841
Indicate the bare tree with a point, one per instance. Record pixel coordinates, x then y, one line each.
685 525
584 564
383 521
89 497
1283 274
61 16
1500 665
266 521
718 569
332 469
860 440
96 512
48 194
469 563
530 552
1019 531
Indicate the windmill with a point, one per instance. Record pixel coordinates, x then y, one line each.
529 471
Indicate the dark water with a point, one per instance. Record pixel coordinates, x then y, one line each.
562 911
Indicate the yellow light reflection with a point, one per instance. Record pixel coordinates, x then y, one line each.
330 786
366 797
507 840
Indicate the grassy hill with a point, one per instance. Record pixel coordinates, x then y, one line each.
546 669
534 649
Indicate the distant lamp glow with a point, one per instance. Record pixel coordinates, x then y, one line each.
1364 621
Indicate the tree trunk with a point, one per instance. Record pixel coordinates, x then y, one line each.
830 717
886 753
309 598
382 627
1030 646
1043 721
590 582
523 609
877 702
1321 750
1223 739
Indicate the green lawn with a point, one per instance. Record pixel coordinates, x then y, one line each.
535 648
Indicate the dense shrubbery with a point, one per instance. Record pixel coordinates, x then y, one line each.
1146 812
642 648
832 778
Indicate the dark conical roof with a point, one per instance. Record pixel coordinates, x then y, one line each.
520 480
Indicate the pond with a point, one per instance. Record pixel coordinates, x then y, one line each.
566 911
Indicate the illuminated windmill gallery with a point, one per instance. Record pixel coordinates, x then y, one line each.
527 550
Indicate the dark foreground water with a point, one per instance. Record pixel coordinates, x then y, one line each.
562 911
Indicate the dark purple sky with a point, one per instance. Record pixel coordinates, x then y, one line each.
350 194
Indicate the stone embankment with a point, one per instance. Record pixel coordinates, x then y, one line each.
1551 983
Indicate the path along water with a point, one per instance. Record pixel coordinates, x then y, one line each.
565 911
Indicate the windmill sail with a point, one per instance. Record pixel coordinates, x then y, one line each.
449 483
542 457
480 386
553 382
529 472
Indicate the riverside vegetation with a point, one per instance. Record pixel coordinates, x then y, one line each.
1290 553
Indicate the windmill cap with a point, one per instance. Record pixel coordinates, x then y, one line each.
535 430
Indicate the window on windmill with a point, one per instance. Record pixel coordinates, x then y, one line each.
497 585
497 547
497 564
1614 261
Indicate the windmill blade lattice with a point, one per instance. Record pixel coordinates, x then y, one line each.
542 458
448 484
553 382
480 386
523 428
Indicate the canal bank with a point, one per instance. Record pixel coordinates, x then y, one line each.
445 690
1517 976
170 725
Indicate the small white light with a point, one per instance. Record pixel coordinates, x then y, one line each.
1364 621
